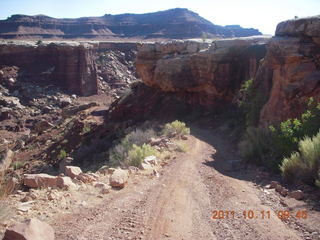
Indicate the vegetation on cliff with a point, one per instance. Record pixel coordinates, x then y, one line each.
287 146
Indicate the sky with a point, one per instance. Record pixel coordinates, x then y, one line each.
261 14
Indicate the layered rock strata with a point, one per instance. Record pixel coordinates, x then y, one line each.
68 65
290 71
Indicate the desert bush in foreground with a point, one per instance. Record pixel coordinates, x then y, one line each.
176 127
181 147
137 154
271 146
120 153
304 164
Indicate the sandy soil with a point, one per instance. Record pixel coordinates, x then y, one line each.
180 203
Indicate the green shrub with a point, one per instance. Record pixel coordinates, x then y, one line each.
304 164
270 146
62 154
138 153
119 154
176 127
17 165
181 147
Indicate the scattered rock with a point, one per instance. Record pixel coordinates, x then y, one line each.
119 178
155 173
133 169
155 141
86 178
111 170
42 126
103 170
32 229
40 180
284 192
66 183
152 160
72 171
298 195
274 184
145 166
65 162
184 137
105 190
99 185
279 188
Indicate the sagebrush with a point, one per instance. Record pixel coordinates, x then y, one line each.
176 128
304 164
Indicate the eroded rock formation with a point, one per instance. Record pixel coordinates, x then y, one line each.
290 71
68 65
208 73
174 23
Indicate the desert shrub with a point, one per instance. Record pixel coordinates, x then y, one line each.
139 137
181 147
305 163
62 154
270 146
17 165
119 154
176 127
138 153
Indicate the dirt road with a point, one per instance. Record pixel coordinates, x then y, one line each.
179 204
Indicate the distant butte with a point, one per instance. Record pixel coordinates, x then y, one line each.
176 23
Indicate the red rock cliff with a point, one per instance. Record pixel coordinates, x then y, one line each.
68 65
208 73
290 71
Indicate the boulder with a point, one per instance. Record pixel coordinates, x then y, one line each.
42 126
298 195
65 183
72 171
99 185
40 180
152 160
274 184
32 229
155 141
105 190
65 162
119 178
86 178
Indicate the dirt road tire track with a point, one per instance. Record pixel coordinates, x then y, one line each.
178 205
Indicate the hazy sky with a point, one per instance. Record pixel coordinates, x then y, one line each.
261 14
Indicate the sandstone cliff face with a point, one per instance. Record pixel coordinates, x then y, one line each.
68 65
174 23
206 74
290 71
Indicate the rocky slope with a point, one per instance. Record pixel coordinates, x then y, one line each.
68 65
174 23
290 72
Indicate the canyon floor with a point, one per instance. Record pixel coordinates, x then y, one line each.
180 203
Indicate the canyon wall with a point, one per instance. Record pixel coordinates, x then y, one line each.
68 65
208 73
290 72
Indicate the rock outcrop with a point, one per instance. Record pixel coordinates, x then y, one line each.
175 23
290 72
32 229
68 65
207 73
